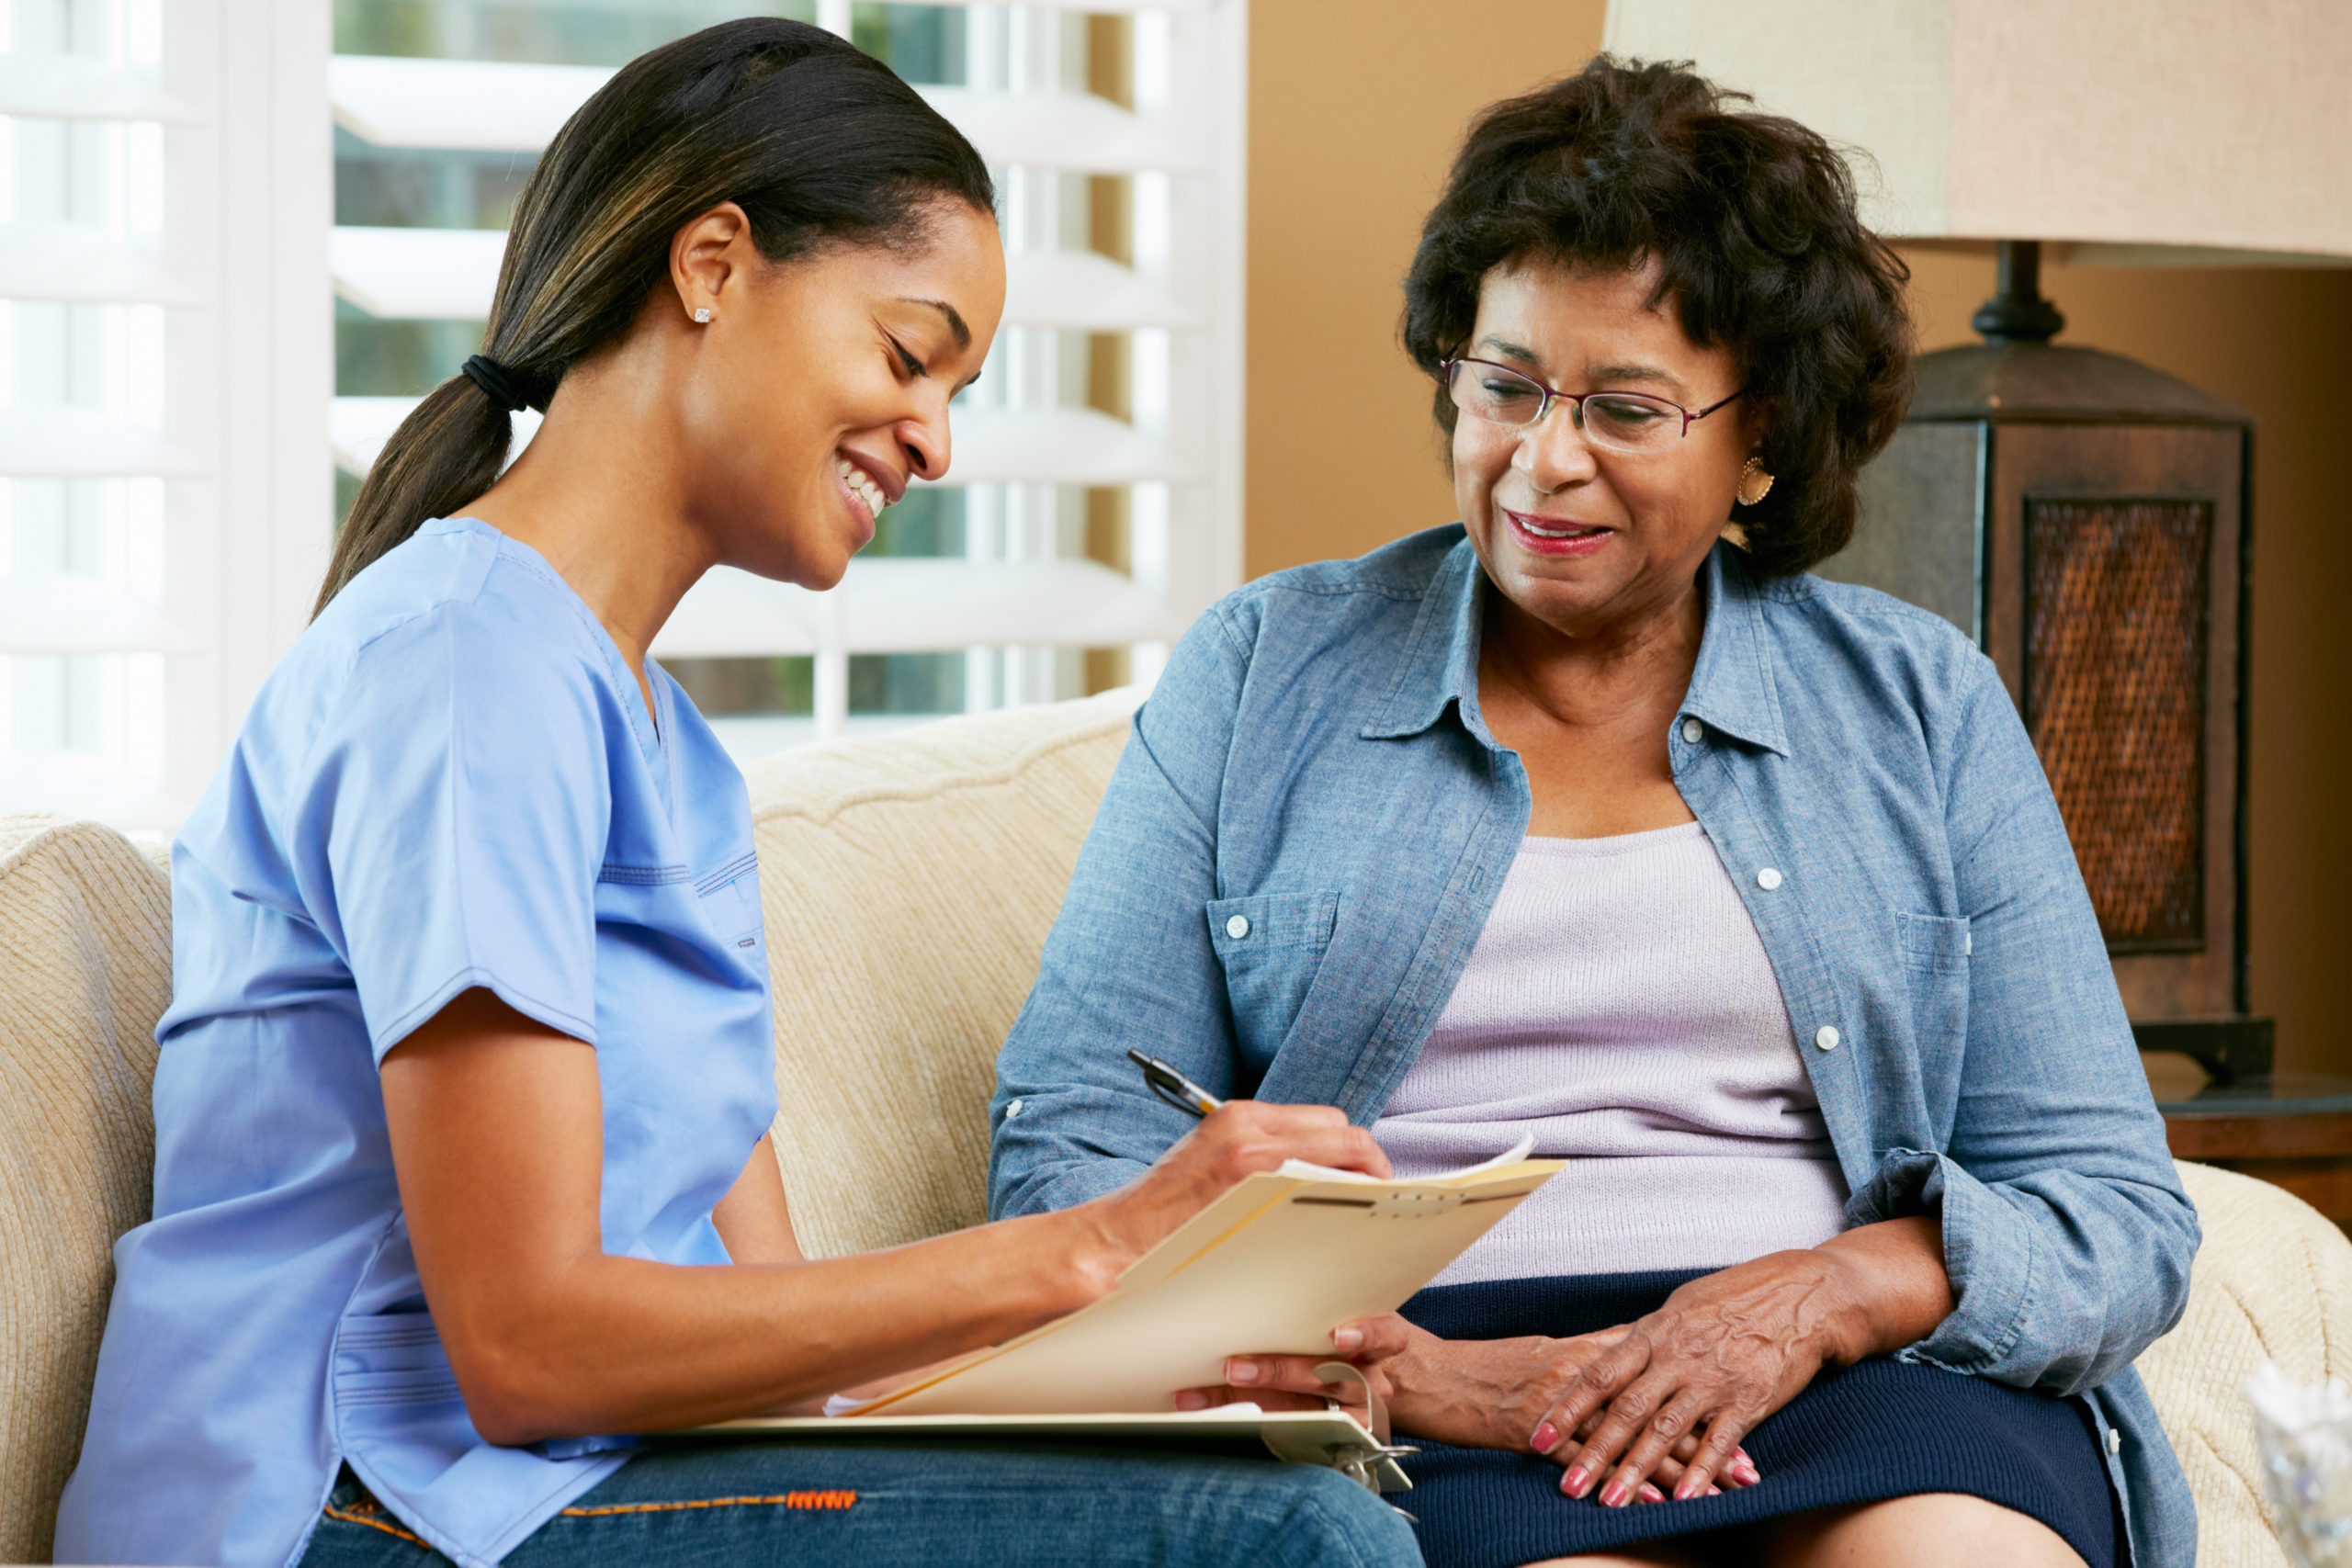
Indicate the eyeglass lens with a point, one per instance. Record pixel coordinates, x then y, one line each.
1627 421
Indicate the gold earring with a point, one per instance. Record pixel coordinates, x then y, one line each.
1755 484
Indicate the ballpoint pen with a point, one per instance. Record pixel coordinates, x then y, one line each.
1173 1086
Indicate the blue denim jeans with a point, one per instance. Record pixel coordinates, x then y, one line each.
881 1504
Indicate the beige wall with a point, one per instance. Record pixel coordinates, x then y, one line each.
1355 108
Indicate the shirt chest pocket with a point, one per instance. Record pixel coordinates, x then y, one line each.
1935 951
1271 946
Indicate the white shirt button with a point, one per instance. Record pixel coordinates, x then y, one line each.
2115 1440
1011 1110
1693 731
1238 927
1825 1037
1768 877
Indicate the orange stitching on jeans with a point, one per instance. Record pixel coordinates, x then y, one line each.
829 1500
362 1518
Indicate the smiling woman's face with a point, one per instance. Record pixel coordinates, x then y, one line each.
827 393
1587 540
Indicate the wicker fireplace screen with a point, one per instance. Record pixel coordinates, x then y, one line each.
2116 629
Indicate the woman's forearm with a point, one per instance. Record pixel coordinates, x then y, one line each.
606 1344
1892 1279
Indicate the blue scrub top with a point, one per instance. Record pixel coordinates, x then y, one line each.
450 781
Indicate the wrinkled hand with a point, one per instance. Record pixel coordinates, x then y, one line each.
1472 1392
1288 1382
1722 1353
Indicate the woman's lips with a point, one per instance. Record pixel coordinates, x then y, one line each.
1556 536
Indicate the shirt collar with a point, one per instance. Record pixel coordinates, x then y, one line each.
1732 688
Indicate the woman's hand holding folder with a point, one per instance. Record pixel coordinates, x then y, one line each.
1238 1139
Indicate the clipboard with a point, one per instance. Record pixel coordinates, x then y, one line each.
1331 1438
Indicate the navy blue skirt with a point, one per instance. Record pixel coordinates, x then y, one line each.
1860 1434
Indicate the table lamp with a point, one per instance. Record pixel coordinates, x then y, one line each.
2084 517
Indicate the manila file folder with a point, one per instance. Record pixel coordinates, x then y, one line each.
1272 1267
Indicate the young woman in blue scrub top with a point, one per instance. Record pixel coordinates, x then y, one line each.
462 1174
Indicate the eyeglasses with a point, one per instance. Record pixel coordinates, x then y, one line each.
1619 421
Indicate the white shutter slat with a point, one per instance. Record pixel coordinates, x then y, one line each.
485 105
450 273
1068 447
429 274
505 107
75 443
902 605
1076 131
81 784
75 86
50 612
1080 291
358 427
75 264
920 607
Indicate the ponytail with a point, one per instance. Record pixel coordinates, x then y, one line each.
815 139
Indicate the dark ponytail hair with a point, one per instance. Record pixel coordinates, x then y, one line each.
818 142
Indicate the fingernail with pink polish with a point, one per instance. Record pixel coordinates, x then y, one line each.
1575 1481
1191 1399
1744 1473
1546 1439
1650 1494
1614 1495
1714 1490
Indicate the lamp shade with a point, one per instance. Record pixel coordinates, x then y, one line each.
2140 131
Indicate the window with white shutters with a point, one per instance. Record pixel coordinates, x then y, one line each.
163 377
1093 505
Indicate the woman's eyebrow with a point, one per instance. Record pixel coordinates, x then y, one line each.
1637 373
1509 350
954 320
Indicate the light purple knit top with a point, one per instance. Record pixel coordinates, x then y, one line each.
1620 1006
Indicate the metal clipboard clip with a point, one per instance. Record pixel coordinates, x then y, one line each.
1377 1471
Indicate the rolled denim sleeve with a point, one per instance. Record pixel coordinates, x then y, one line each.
1129 962
2065 1231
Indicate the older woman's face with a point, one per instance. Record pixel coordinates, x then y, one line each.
1585 539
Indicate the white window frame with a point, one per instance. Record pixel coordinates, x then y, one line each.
1184 147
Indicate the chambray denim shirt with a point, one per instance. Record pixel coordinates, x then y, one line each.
1311 820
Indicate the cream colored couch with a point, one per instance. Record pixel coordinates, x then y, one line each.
908 884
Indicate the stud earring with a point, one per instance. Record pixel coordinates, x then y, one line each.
1755 484
702 316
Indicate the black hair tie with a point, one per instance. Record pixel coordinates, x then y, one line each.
496 381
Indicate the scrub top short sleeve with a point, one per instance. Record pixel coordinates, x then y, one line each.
454 826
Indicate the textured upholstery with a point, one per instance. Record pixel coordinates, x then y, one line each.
85 969
2273 1279
909 883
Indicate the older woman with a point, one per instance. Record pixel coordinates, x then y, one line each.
1593 817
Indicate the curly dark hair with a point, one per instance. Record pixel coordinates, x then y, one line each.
1751 218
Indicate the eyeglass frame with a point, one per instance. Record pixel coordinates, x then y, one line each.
1554 395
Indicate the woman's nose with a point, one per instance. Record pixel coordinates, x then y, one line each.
1553 452
926 442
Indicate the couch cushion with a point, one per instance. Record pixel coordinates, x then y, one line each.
909 883
85 969
2273 1279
